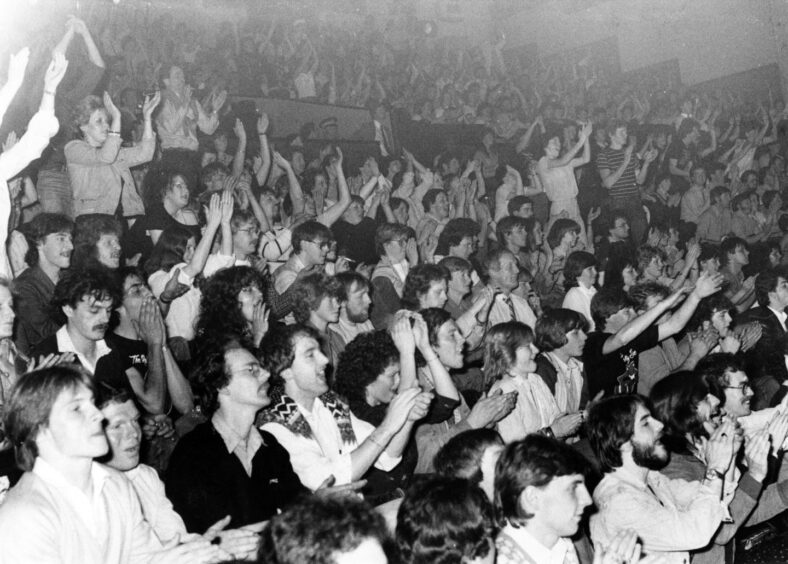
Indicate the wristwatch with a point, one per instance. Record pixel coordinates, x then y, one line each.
712 474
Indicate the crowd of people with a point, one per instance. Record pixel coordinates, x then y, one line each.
574 350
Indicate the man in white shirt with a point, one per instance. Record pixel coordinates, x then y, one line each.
66 507
670 516
502 270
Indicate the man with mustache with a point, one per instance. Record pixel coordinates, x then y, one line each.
87 298
671 517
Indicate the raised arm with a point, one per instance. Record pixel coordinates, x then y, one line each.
332 214
296 194
203 249
265 154
16 74
240 152
80 28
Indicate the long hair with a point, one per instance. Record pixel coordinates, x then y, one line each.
500 347
169 249
220 312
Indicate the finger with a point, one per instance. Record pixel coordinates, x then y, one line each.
327 483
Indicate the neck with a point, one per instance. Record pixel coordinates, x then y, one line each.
562 354
76 471
542 533
303 259
635 469
734 267
52 271
239 418
515 249
318 322
616 146
302 398
85 346
455 295
170 207
126 328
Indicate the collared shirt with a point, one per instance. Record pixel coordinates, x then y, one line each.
156 508
501 312
349 330
534 409
562 552
235 443
569 382
781 316
714 224
178 120
65 344
579 299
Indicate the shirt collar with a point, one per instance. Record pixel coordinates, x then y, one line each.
233 440
535 549
65 344
781 315
52 476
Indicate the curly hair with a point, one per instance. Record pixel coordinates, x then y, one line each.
419 281
74 285
220 312
646 254
83 110
37 229
454 232
610 424
444 521
707 308
88 230
363 360
308 292
277 349
169 249
317 528
500 347
209 372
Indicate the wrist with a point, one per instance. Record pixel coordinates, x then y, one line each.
164 299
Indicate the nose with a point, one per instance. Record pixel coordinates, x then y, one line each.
658 425
583 497
322 360
69 245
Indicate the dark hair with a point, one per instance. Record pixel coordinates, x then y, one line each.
88 230
708 251
639 293
309 291
81 113
714 370
614 271
277 349
461 456
500 347
220 312
534 461
552 327
518 202
707 308
444 520
716 193
209 373
766 282
506 225
559 229
729 246
106 395
455 264
75 285
37 229
316 528
614 216
363 360
387 232
169 249
610 424
435 318
676 398
454 232
30 406
647 253
419 281
574 266
606 302
349 279
430 197
686 127
308 231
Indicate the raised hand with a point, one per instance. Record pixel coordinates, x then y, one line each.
218 101
49 361
213 212
706 285
403 336
262 124
421 406
260 321
10 141
173 289
17 65
110 106
756 453
280 161
567 425
150 105
227 206
400 407
55 72
149 325
238 129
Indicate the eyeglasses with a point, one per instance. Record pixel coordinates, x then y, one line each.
253 231
741 387
252 370
322 244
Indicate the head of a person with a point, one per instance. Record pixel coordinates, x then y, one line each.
617 132
580 270
122 427
49 240
401 210
175 191
51 414
651 261
226 375
458 238
720 196
229 301
563 232
471 455
623 428
521 206
316 295
326 530
91 121
425 286
173 78
509 350
533 228
663 184
391 240
354 296
7 314
87 298
689 130
213 176
611 309
728 382
311 242
561 329
618 226
436 202
709 259
713 312
647 295
175 245
293 357
97 242
355 211
621 272
771 288
750 179
540 482
134 292
698 175
459 274
446 519
502 271
685 405
368 369
512 231
445 337
246 232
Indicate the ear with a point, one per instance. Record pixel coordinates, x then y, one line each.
706 325
530 500
287 374
68 311
166 82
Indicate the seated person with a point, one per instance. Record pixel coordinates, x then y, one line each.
471 455
396 246
311 242
225 466
734 256
354 302
316 305
97 242
502 279
425 287
580 276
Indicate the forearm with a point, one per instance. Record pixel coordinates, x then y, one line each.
155 387
238 159
400 440
265 155
679 318
93 53
227 239
365 455
202 251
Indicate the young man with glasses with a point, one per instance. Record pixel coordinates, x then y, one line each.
311 243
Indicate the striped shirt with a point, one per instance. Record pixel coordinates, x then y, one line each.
611 159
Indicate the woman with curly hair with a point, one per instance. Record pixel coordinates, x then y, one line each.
425 286
232 304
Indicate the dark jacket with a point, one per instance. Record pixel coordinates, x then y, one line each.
765 362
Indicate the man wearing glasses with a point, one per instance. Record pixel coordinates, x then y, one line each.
311 243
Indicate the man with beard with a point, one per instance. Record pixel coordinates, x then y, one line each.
671 517
353 311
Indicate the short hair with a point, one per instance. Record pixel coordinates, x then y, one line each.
88 230
695 168
444 520
106 395
639 293
500 347
277 349
315 528
461 456
309 291
714 370
364 359
418 282
717 192
83 110
610 424
738 199
454 232
169 249
614 124
708 251
766 282
686 127
647 253
395 203
614 270
388 232
455 264
506 225
309 231
241 217
534 461
552 327
492 260
435 318
606 302
37 229
676 398
707 307
559 229
574 266
347 280
73 286
430 197
516 203
209 373
729 246
614 216
30 406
